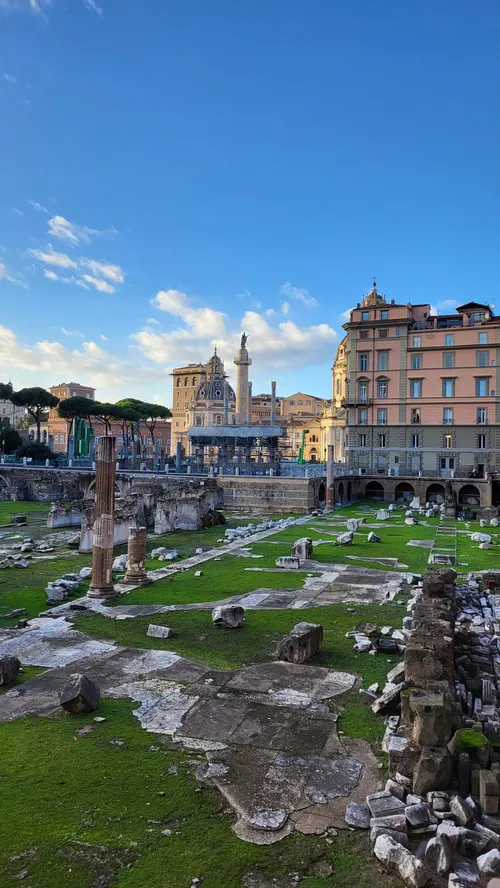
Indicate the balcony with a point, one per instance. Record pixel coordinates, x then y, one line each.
356 401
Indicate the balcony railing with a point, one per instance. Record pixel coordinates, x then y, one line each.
356 401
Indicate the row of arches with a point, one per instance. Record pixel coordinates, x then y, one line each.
468 495
344 492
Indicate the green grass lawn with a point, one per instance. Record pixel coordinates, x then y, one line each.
84 812
33 510
26 588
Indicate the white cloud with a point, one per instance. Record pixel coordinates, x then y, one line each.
153 321
298 293
271 346
99 284
346 315
203 322
111 272
91 4
77 333
269 312
50 257
285 308
103 337
51 275
37 206
17 212
74 234
45 363
434 310
5 275
10 78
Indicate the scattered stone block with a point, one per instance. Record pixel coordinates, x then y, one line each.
400 837
9 670
481 537
389 701
345 539
383 514
288 562
396 789
159 631
198 573
305 640
230 616
489 863
80 695
384 804
120 563
468 873
303 548
399 859
432 770
461 810
396 674
417 815
485 545
373 537
357 816
488 792
439 853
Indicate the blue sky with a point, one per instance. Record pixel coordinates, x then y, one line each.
175 171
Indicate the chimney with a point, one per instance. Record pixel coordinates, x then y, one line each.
273 402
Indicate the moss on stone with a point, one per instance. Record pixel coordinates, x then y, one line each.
467 739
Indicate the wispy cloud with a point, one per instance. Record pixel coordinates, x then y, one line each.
17 212
10 78
37 206
153 321
76 333
285 308
298 293
50 257
91 4
74 234
103 337
5 275
104 269
99 284
346 315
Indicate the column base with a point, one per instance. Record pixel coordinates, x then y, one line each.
101 592
136 581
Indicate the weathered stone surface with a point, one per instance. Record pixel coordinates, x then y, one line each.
86 573
439 853
461 810
396 789
489 863
120 563
417 815
159 631
9 669
400 837
468 873
395 822
288 562
345 539
303 548
80 695
303 642
433 717
383 804
488 792
432 770
481 538
374 538
388 702
357 815
383 514
471 843
231 616
398 858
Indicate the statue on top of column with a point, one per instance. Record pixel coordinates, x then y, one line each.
243 342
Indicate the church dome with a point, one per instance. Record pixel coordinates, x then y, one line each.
214 390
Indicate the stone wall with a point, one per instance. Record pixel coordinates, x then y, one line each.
271 496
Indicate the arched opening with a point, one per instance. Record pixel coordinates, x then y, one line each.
322 495
374 491
435 494
340 492
349 491
313 456
469 496
404 492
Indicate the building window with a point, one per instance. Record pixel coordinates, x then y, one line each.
362 439
482 416
482 385
178 381
415 415
448 360
382 360
417 342
194 380
363 362
398 331
449 339
448 416
291 403
177 425
416 362
300 403
482 338
383 333
415 440
363 416
481 442
447 462
384 314
415 388
365 315
381 440
415 463
448 442
308 403
186 382
381 461
448 388
363 334
362 391
382 416
338 385
382 388
482 359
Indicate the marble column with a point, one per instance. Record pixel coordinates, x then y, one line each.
243 362
330 488
136 571
101 585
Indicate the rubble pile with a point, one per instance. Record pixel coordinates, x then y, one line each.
238 533
436 821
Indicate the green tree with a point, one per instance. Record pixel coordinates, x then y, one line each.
153 414
75 408
37 402
108 413
10 439
5 391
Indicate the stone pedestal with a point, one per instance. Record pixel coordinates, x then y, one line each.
104 515
136 571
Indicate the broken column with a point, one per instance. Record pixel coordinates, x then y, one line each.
136 570
101 585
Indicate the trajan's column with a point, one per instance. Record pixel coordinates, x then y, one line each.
243 362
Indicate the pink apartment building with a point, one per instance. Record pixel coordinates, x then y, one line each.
422 390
